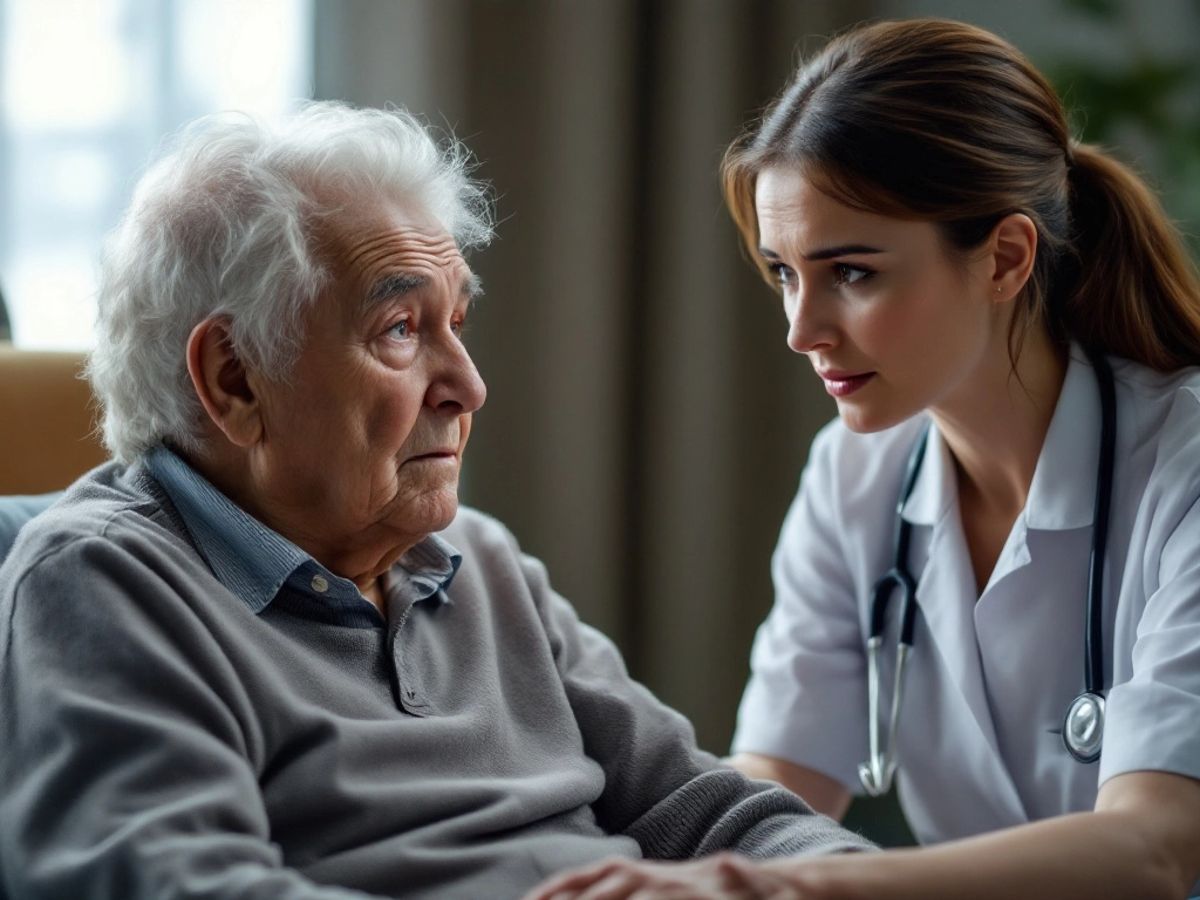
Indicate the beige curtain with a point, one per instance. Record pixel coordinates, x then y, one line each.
645 425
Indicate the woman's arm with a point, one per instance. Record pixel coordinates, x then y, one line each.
1142 840
824 794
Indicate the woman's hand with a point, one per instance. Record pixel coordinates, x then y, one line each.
723 876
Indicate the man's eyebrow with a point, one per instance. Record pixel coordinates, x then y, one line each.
826 252
395 285
400 283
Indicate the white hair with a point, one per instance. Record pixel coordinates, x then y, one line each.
222 224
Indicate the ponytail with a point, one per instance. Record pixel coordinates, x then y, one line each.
1135 292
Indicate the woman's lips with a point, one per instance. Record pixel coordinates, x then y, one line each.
842 384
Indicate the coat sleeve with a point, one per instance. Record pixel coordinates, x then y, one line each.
125 770
1153 719
674 799
806 701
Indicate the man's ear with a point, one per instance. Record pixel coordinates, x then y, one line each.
222 383
1013 250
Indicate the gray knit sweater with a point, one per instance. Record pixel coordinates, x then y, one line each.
158 739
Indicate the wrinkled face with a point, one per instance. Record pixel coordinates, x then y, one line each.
889 322
367 436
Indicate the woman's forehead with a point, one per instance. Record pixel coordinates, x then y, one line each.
794 211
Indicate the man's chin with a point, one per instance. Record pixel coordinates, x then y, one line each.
433 512
447 517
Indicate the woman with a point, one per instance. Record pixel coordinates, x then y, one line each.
983 297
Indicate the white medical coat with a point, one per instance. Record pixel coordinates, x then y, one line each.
991 675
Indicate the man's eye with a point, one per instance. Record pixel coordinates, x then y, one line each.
781 274
844 273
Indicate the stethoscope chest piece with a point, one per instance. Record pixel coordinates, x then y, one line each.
1083 728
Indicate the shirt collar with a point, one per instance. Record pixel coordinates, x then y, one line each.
429 566
253 561
1059 498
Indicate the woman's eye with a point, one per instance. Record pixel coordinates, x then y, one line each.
459 327
844 273
782 275
401 329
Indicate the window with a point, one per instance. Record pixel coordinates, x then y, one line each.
89 88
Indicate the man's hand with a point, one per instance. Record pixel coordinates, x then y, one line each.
723 876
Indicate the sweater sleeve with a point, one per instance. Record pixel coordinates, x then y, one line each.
126 770
674 799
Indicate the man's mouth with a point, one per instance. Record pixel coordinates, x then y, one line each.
434 455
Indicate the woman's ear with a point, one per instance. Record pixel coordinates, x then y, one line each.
1013 249
222 383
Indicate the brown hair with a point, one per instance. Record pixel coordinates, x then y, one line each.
944 122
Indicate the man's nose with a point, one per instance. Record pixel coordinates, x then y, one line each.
457 387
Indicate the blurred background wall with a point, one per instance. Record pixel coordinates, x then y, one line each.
646 425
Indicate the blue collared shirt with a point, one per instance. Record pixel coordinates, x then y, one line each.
255 562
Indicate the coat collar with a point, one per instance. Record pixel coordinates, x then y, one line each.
1062 493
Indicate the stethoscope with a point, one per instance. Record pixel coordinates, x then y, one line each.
1083 726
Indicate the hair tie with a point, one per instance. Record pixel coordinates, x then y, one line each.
1069 154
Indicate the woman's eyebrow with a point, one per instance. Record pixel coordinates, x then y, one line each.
841 250
827 252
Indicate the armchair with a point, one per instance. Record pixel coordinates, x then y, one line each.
46 414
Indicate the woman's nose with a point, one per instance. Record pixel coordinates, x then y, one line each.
809 327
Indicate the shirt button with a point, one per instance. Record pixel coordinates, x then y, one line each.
319 584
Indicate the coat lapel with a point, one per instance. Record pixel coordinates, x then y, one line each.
946 594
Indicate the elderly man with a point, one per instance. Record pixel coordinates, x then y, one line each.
263 653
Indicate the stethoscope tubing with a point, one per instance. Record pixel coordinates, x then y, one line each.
1093 640
899 575
876 774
